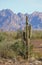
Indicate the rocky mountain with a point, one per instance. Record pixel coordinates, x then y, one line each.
10 21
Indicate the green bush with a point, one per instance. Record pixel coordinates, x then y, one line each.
19 48
1 38
6 52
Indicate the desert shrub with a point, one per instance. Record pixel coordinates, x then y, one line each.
1 38
19 48
19 34
6 52
9 53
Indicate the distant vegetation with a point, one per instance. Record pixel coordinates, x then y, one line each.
37 34
11 44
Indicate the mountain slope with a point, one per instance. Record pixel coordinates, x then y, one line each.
10 21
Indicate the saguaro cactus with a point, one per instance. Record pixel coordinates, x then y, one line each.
26 37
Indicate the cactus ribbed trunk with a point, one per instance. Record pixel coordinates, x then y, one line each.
29 31
29 28
26 37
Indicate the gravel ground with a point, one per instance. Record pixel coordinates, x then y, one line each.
16 62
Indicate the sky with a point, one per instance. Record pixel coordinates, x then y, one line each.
23 6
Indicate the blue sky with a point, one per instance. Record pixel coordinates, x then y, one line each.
23 6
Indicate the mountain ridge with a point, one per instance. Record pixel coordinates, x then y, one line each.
10 21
